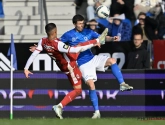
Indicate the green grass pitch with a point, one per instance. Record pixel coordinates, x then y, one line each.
81 121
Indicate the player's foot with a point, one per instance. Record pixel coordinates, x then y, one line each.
96 115
102 36
58 111
125 87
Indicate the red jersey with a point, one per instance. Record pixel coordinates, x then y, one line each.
55 49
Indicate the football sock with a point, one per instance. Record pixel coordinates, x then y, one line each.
94 99
117 73
70 97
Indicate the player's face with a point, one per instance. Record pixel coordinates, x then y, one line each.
79 25
137 40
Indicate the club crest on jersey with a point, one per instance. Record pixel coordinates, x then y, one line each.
65 46
86 38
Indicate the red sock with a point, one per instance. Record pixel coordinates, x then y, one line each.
70 96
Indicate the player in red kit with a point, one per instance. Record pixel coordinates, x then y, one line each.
65 57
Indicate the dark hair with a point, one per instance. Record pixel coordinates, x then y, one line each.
88 26
92 20
49 27
137 31
141 13
77 18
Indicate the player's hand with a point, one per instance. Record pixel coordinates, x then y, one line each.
98 44
27 72
33 48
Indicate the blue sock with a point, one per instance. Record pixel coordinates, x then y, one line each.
94 99
117 73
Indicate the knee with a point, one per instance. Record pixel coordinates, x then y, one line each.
91 84
110 61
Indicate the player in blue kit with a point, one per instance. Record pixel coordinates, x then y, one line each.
89 63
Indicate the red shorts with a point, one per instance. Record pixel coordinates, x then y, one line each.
75 77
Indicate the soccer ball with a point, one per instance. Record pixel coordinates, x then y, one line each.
103 11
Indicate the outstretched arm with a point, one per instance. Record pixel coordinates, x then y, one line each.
31 59
62 47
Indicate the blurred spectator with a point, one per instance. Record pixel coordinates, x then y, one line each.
163 6
152 6
78 3
139 57
161 26
122 6
1 9
95 26
120 29
128 9
117 7
92 6
148 26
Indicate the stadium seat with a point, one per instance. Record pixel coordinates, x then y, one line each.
23 15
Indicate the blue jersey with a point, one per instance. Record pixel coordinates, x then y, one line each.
73 38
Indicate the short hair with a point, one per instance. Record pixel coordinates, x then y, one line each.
77 18
137 31
92 20
141 13
49 27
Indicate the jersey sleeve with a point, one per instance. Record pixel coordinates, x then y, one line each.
94 34
62 47
39 47
31 59
34 54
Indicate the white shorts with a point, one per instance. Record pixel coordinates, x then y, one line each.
89 69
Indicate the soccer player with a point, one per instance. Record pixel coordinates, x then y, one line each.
88 63
65 57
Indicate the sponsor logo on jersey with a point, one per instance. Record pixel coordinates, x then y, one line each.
48 47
